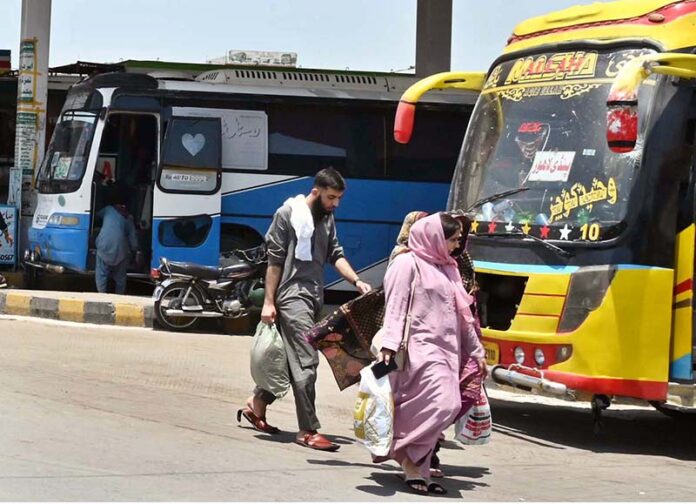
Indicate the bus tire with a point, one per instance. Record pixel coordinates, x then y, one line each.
30 277
177 324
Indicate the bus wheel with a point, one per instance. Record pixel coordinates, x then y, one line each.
674 411
169 294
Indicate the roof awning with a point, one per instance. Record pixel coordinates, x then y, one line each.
87 68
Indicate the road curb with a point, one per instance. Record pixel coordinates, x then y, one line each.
75 310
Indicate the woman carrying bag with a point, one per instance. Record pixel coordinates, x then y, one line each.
428 319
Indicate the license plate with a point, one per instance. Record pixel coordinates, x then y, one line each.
156 294
492 353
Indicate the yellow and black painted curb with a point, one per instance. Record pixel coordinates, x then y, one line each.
75 310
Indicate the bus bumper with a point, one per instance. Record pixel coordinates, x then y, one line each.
530 379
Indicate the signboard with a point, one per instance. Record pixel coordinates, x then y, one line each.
551 166
7 248
25 142
272 58
5 61
27 64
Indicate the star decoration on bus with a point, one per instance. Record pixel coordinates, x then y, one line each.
565 232
509 227
526 228
492 226
544 231
474 226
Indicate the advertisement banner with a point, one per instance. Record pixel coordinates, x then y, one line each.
8 216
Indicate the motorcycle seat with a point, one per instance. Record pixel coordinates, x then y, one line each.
195 270
239 270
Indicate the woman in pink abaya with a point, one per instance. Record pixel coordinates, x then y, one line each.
441 339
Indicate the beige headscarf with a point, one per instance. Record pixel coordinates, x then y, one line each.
402 239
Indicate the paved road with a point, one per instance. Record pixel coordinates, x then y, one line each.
97 413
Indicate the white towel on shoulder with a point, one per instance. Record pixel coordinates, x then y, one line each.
303 224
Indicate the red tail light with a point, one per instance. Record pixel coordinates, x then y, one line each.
622 127
155 273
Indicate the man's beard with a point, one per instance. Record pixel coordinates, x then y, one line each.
318 210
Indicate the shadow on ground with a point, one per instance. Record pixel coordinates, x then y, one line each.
388 480
635 431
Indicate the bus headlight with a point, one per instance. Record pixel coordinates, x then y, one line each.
588 286
539 357
563 353
519 355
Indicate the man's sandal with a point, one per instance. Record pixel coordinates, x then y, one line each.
317 442
259 423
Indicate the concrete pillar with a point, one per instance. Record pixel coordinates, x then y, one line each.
32 97
433 37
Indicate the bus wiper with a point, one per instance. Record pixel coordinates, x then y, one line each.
550 246
497 196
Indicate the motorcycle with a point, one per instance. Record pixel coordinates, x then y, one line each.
187 292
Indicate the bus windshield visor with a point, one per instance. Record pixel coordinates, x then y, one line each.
538 133
66 159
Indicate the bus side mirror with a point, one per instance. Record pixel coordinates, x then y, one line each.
622 126
406 111
404 121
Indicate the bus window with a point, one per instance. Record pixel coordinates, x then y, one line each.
431 153
191 156
64 163
185 232
304 139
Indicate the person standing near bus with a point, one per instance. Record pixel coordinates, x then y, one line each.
301 239
115 243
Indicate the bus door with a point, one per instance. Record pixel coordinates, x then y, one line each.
127 160
186 213
683 347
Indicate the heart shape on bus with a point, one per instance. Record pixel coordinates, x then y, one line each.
193 144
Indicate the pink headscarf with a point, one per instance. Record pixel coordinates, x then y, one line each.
428 244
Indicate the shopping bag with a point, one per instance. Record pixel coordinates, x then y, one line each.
475 426
373 416
269 362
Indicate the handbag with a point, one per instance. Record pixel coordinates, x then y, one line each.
475 426
401 355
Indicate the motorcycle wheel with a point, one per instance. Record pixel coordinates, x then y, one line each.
170 293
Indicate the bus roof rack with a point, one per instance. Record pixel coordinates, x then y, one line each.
323 81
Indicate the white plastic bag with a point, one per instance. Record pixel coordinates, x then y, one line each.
269 362
474 427
373 416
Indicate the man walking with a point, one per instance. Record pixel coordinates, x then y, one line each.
301 239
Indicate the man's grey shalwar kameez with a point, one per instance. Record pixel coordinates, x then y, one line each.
299 300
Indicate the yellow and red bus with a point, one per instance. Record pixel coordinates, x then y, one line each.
578 170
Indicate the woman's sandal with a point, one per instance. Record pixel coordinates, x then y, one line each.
415 483
436 489
436 473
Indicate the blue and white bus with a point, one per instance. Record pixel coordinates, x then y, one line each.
208 161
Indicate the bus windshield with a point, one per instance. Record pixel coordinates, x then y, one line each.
66 159
540 126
